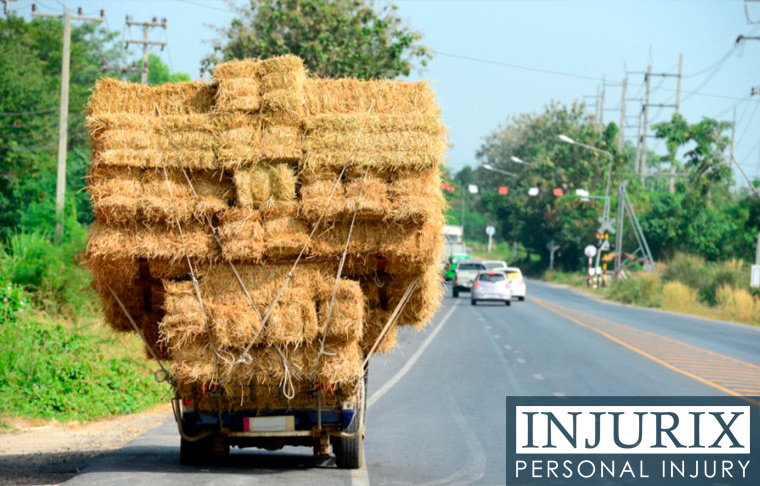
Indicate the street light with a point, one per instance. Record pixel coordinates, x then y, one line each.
494 169
518 160
567 139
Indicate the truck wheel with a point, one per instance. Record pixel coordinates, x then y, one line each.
521 299
456 292
195 453
349 453
507 303
473 302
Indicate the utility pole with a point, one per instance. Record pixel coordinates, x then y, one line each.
621 135
5 6
601 107
678 86
63 122
146 42
552 247
644 135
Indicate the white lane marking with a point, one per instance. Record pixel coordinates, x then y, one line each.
507 347
538 377
360 477
520 360
408 366
487 327
558 394
496 336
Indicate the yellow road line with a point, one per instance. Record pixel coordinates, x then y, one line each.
723 362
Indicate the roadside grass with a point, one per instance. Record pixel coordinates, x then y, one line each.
58 360
686 284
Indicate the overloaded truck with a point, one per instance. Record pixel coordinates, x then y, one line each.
265 234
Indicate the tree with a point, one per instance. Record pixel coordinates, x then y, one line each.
158 72
335 38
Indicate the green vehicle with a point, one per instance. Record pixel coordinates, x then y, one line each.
451 265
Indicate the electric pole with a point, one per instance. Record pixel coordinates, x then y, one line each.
63 122
678 86
645 113
146 42
621 135
5 6
601 107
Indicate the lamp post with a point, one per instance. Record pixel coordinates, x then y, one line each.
606 210
494 169
518 160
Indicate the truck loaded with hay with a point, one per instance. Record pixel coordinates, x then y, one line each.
265 234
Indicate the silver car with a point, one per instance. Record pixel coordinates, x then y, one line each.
493 286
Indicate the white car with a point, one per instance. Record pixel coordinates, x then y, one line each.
517 282
495 265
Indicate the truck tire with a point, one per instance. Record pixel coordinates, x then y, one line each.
349 453
456 292
473 302
507 303
195 453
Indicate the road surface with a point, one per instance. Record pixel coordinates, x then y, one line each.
437 403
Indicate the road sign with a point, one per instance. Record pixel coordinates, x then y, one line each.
605 246
607 226
754 280
590 251
503 190
490 230
558 191
581 192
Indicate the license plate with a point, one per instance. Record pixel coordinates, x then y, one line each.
282 423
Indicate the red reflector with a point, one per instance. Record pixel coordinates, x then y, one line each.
187 402
476 284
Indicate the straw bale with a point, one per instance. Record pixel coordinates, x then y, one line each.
279 209
424 300
374 124
284 237
113 96
282 64
376 159
143 241
417 197
193 122
262 281
145 139
268 396
283 182
408 243
243 68
154 158
166 196
238 94
374 322
375 97
241 234
368 197
411 142
115 192
347 312
315 196
252 186
280 142
194 364
247 139
293 320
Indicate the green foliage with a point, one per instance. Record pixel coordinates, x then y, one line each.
707 277
158 72
643 289
335 38
13 300
48 370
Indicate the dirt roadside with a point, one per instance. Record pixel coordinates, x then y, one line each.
51 453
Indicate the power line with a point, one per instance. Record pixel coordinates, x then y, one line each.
206 6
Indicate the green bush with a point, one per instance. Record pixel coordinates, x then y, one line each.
641 289
693 271
49 370
49 272
13 300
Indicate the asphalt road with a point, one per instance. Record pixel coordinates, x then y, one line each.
437 403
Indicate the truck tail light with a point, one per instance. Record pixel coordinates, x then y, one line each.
187 405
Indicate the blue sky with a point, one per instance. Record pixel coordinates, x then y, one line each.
588 39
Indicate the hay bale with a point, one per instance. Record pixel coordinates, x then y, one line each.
411 142
343 96
367 197
374 124
417 197
375 159
243 140
347 312
264 185
424 301
284 237
155 159
115 193
241 234
150 242
113 96
238 94
314 196
374 323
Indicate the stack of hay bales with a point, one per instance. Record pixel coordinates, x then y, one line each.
205 196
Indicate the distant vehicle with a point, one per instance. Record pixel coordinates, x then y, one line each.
491 286
451 265
466 273
517 282
495 264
